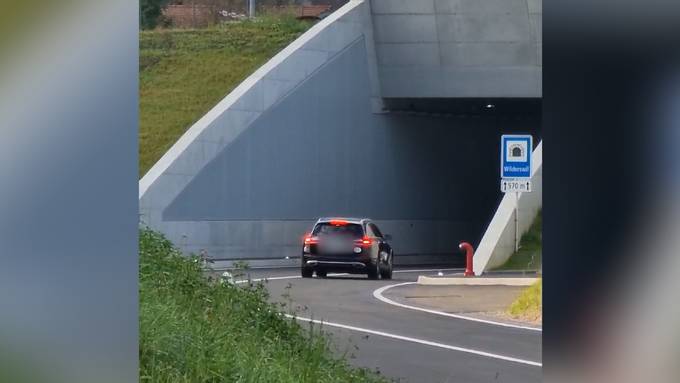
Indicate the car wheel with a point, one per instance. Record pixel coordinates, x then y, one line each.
306 272
387 273
321 274
374 270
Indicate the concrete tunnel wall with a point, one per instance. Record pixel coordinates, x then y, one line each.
233 116
459 48
299 140
428 181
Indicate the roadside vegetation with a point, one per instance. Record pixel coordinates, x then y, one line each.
529 304
199 329
528 257
150 13
183 73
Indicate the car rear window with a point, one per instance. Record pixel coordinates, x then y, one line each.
349 229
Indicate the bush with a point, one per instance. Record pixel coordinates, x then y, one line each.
197 329
150 12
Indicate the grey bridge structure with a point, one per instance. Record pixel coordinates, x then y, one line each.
388 109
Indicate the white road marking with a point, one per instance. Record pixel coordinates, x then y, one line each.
420 341
284 277
378 295
332 275
267 278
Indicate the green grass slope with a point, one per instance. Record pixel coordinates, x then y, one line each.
194 329
528 257
184 73
529 304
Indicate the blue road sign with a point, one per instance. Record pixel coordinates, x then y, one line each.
516 152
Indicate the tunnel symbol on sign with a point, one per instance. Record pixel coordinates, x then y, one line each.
516 151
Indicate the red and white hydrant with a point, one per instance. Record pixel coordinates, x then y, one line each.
469 251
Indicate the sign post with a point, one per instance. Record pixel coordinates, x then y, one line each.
516 151
251 8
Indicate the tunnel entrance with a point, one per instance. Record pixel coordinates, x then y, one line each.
426 170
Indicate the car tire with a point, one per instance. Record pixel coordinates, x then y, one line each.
306 272
387 273
374 270
321 274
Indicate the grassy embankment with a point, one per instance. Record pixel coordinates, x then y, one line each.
184 73
194 329
528 257
529 305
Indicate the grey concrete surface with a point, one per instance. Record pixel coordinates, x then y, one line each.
230 118
270 83
456 299
348 300
458 48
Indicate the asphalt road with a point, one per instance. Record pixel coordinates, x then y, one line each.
403 344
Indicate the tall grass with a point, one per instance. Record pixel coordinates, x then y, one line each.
183 73
196 329
529 304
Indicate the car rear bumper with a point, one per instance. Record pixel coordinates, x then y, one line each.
357 264
335 264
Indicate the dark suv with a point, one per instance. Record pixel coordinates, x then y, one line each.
350 245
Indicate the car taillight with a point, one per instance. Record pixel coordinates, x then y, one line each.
364 242
311 240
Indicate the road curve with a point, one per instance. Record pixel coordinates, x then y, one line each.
403 344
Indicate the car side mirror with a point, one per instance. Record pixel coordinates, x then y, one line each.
388 237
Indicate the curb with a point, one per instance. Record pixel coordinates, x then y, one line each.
481 281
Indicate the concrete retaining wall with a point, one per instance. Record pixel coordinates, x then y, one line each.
498 242
236 112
